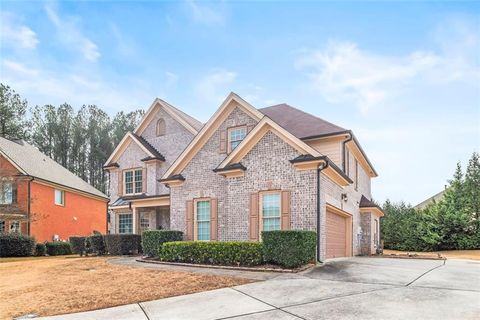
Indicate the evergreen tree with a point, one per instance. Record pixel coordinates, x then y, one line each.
472 191
13 121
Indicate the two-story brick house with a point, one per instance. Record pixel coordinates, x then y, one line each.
40 198
248 170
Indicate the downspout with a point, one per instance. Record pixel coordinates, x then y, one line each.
344 143
28 205
319 170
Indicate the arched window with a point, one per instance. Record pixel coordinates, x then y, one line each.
161 127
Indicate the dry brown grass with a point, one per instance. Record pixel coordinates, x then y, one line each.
65 285
450 254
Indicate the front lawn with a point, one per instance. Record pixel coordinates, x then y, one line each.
58 285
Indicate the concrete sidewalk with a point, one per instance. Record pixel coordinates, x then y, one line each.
357 288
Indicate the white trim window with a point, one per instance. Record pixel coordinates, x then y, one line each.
15 227
6 195
270 214
235 137
202 219
133 181
59 197
144 221
125 223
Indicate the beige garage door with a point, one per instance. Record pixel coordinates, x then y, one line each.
336 235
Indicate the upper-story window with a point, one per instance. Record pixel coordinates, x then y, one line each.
59 197
347 162
161 127
133 181
6 193
356 175
235 136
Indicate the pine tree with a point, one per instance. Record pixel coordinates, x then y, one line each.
13 120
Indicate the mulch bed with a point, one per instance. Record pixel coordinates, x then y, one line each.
410 256
261 268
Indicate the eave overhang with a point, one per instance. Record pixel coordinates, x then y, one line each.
232 170
173 181
331 170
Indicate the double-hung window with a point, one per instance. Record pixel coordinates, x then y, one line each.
15 227
270 211
133 181
59 197
6 196
235 136
125 223
202 217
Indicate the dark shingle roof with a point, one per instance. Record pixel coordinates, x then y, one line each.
147 145
299 123
365 203
36 164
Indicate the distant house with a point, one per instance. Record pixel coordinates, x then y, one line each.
426 202
40 198
245 171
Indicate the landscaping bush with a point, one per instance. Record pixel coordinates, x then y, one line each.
78 245
16 245
232 253
152 239
289 248
40 250
97 244
122 244
58 248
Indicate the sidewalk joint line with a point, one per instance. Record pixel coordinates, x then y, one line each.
428 271
144 312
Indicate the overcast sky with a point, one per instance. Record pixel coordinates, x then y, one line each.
405 77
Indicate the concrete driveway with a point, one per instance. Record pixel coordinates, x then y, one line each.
355 288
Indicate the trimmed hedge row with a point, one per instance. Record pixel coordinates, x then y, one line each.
58 248
122 244
96 244
229 253
152 239
78 245
16 245
289 248
40 249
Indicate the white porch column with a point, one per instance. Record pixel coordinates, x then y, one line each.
134 220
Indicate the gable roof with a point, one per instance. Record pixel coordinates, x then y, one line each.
230 103
368 205
30 161
301 124
190 123
140 141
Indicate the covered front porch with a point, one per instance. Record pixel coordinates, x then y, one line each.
137 214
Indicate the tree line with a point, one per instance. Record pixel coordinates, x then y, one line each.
451 223
80 140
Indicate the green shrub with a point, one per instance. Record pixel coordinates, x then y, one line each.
289 248
78 245
58 248
97 244
232 253
40 250
122 244
16 245
152 239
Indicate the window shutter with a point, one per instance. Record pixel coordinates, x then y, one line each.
120 183
144 180
189 219
249 128
253 216
14 193
223 141
286 204
213 219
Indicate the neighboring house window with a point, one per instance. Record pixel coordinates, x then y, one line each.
235 136
202 217
125 224
59 197
14 227
270 211
133 181
356 175
161 127
2 226
6 196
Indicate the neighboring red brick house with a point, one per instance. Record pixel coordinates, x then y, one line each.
40 198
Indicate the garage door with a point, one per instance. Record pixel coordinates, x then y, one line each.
336 235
